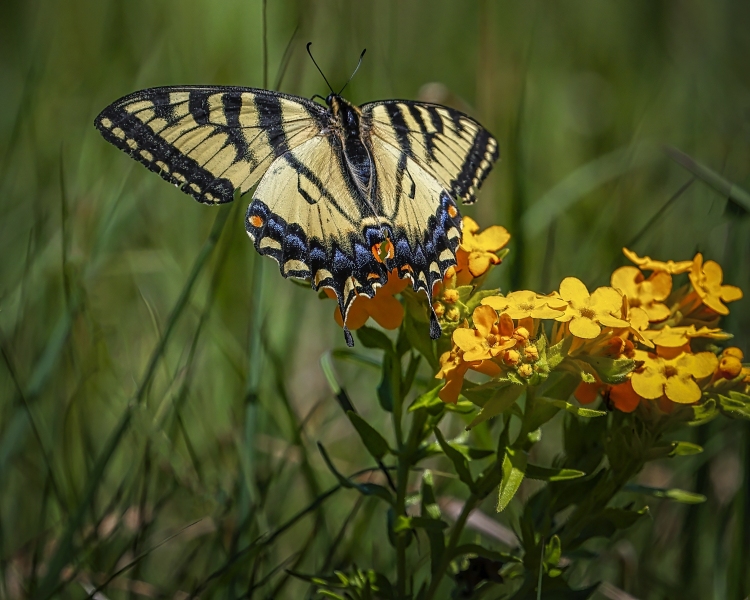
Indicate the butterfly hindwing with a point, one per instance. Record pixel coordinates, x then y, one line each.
209 141
451 146
310 216
424 223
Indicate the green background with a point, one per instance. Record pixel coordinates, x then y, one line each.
100 311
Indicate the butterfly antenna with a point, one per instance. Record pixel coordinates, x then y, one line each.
317 67
355 70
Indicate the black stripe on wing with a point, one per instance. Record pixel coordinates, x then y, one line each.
464 137
135 123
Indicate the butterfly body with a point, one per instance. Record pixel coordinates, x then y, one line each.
333 184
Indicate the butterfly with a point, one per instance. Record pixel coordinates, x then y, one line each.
344 194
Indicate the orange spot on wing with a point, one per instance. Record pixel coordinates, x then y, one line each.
383 250
256 221
452 211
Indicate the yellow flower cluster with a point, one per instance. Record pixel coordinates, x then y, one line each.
637 317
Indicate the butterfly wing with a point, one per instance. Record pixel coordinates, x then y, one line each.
452 147
209 141
309 215
425 157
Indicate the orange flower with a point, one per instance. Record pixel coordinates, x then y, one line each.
623 397
673 377
477 251
383 307
587 312
647 264
525 304
586 393
647 294
706 279
453 369
490 337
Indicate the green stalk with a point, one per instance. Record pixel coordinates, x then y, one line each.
456 532
402 478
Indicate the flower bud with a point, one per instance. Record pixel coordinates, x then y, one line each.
439 309
511 357
452 314
450 296
531 353
729 367
733 351
525 371
521 334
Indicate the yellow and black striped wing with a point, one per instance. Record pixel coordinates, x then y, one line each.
446 143
309 215
209 141
423 221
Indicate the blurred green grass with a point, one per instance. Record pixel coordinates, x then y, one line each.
219 450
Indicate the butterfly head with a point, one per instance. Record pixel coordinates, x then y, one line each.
344 113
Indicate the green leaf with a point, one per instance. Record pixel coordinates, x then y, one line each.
431 510
499 403
418 334
375 443
608 521
428 400
411 373
374 338
704 412
579 411
557 353
388 389
675 494
459 460
366 489
552 474
553 552
711 178
464 549
402 523
514 468
684 449
610 370
735 405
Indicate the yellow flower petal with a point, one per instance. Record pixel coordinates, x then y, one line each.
572 289
484 318
626 279
582 327
648 383
657 312
610 321
730 293
467 339
647 264
682 389
499 303
607 299
479 262
702 364
661 285
493 238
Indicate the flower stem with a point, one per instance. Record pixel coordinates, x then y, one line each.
456 532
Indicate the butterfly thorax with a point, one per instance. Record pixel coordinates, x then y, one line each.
346 124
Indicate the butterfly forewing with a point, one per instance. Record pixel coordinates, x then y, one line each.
451 146
209 141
